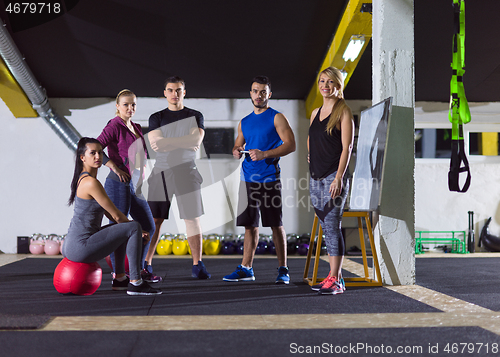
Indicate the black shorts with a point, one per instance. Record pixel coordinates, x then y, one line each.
183 181
263 198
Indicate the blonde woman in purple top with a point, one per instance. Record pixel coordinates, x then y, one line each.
123 138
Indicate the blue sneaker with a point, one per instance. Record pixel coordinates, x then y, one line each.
240 274
283 277
199 271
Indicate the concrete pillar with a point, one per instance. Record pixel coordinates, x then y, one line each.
393 75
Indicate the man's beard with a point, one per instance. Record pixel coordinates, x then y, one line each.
263 104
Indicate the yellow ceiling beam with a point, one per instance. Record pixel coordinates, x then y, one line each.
13 95
354 22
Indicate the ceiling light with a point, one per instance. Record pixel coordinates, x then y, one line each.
344 74
354 47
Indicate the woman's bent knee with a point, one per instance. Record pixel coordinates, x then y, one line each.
134 226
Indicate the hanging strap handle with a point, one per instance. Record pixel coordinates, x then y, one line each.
458 157
459 112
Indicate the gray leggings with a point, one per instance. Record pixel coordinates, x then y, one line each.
120 238
329 212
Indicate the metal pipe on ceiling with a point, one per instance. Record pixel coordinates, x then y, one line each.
34 91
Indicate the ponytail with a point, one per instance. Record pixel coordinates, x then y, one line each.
336 115
80 151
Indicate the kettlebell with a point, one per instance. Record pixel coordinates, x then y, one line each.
37 243
52 246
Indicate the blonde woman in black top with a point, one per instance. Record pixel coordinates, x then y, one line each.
330 140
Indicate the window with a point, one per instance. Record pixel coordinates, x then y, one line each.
218 142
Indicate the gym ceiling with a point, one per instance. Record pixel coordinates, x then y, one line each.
97 47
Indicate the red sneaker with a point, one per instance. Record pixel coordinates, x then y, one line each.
332 287
318 287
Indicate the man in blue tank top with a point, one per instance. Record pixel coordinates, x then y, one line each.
263 137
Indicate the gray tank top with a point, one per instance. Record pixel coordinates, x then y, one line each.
87 219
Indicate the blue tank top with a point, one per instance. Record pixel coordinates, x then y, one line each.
259 133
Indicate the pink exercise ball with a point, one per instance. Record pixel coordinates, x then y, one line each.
77 278
108 260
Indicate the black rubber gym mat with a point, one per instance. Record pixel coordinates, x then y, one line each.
475 280
442 341
27 289
22 322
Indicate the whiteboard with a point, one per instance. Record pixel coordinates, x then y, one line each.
370 153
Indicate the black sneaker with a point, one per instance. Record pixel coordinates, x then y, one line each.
120 285
199 271
143 289
150 277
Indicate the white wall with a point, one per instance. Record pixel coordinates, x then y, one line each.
38 167
436 208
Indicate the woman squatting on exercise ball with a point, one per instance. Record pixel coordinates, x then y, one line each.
87 241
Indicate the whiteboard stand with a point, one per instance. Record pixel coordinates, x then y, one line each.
356 281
